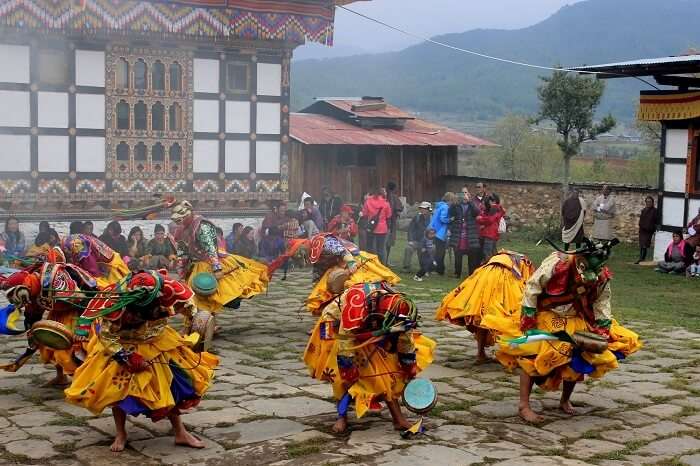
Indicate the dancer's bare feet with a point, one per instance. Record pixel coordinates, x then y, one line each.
185 439
528 415
341 425
119 443
402 424
568 408
61 380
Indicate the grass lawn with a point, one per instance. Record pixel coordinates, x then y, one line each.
639 293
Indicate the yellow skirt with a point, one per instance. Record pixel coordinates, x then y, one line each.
552 362
116 270
244 278
177 378
63 358
380 376
500 280
370 269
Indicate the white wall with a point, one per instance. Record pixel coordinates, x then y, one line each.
673 209
53 154
661 242
267 157
89 68
206 75
53 110
89 154
237 117
15 64
15 153
14 108
677 143
237 157
205 158
269 79
674 177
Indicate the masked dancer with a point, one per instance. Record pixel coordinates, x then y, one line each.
566 329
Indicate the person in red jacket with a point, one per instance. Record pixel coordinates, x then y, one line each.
377 211
342 225
488 221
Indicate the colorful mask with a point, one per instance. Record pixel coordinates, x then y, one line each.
181 211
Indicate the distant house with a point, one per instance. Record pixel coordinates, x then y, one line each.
679 113
353 145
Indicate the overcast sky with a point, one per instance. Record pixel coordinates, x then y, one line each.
354 34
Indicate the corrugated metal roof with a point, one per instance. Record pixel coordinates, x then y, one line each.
314 129
389 111
647 64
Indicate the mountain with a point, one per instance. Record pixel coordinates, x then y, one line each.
430 78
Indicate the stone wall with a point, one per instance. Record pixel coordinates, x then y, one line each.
533 205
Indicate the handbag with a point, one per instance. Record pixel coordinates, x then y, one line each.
502 226
372 222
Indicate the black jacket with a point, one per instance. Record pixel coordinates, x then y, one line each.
457 217
416 229
330 208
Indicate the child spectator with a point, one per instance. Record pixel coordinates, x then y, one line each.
343 225
489 220
160 251
290 228
416 232
137 248
678 256
695 265
427 255
220 240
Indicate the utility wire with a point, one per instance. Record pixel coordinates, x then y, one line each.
483 55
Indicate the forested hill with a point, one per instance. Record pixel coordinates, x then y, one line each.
430 78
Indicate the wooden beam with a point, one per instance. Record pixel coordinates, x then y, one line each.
368 107
680 81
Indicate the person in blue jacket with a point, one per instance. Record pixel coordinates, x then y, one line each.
440 223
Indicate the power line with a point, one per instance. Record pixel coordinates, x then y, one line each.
483 55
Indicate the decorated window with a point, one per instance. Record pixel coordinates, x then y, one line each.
149 92
237 77
53 67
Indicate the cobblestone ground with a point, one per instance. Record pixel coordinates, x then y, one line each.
264 409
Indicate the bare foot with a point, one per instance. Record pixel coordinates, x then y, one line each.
58 381
402 424
567 407
528 415
340 426
119 443
188 440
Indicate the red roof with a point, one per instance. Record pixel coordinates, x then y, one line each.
389 111
314 129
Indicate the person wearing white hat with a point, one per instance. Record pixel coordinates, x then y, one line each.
416 232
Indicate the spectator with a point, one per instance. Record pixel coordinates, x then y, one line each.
604 210
231 238
76 228
440 223
416 233
330 205
274 217
694 230
161 251
44 226
464 232
396 209
136 249
362 225
245 246
481 194
220 240
88 228
291 228
573 211
427 255
112 237
271 245
311 213
489 220
13 238
54 238
40 246
648 220
343 225
677 257
378 212
694 270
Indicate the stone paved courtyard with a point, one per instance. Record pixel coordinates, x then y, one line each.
264 409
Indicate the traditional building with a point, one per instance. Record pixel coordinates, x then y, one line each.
354 145
678 110
113 101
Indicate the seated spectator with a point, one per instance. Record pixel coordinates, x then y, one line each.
416 232
112 237
13 239
161 252
694 270
274 218
220 240
329 205
245 246
231 238
137 248
311 212
343 225
678 256
272 245
427 255
77 228
88 228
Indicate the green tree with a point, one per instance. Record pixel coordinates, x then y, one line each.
569 101
511 134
